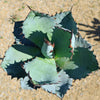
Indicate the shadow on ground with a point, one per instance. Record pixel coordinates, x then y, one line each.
94 29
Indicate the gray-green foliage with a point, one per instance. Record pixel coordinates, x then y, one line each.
18 53
41 70
35 27
56 56
61 84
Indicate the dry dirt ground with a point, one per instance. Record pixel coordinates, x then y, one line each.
87 15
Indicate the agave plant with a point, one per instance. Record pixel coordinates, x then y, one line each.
58 56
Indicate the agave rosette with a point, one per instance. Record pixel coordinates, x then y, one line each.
58 55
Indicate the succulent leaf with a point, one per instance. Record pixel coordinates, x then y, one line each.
65 20
24 83
49 35
86 62
59 17
15 70
18 53
80 42
61 39
60 85
47 49
56 37
41 70
37 24
37 38
69 23
65 63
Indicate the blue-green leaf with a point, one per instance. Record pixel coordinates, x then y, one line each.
80 42
69 23
65 20
60 85
24 83
41 70
59 17
18 53
36 26
86 62
65 63
61 39
47 49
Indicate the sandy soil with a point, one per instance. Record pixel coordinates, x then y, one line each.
87 15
